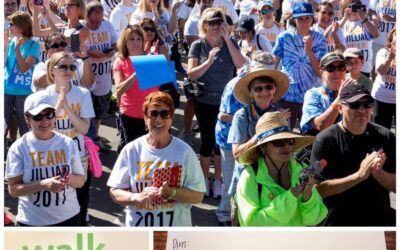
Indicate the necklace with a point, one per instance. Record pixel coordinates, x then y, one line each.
278 170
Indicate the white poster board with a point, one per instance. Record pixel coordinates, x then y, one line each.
276 240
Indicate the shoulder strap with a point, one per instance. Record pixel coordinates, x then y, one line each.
254 165
258 42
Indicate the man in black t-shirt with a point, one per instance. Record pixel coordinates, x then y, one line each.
361 164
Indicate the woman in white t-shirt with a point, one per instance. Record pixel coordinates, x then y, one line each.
74 110
267 25
154 198
43 170
384 88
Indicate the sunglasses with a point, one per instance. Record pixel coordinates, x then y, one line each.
147 29
331 68
155 113
267 87
358 104
213 23
67 5
264 12
39 117
283 142
65 67
58 45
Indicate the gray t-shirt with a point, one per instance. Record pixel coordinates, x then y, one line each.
219 73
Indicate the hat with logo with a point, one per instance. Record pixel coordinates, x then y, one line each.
331 57
37 102
353 52
302 9
246 24
353 92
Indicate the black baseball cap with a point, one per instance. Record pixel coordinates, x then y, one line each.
354 92
246 24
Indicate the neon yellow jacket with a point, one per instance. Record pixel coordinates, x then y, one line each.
277 207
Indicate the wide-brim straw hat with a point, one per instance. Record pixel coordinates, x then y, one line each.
281 80
270 127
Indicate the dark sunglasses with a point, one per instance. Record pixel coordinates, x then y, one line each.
215 22
65 67
331 68
264 12
163 113
147 29
267 87
67 5
358 104
49 115
283 142
58 45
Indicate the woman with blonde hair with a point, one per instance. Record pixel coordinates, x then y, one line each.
212 60
129 94
74 109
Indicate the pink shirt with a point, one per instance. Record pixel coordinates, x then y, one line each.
132 100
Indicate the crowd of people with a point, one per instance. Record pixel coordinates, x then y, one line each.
294 101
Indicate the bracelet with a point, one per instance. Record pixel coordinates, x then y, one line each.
173 194
365 20
84 58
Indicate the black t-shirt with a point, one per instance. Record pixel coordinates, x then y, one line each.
367 203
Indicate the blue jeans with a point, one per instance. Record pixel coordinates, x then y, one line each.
227 165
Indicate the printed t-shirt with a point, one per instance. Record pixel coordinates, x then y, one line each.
384 88
330 41
383 7
134 170
120 16
270 33
35 160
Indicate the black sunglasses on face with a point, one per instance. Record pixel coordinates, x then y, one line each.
58 45
283 142
65 67
163 113
147 29
358 104
267 87
332 68
49 115
213 23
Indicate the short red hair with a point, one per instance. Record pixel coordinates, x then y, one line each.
158 98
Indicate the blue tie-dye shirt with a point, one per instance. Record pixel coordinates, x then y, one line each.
296 64
229 105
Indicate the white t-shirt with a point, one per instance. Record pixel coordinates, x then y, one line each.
120 16
35 160
134 170
384 88
383 7
263 44
271 34
41 70
138 15
330 40
191 27
184 11
357 36
108 6
102 38
80 102
227 7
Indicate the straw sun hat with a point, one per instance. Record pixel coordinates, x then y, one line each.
242 92
270 127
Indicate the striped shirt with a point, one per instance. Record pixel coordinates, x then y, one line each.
296 64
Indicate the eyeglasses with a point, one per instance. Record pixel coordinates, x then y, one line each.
39 117
215 22
58 45
147 29
264 12
267 87
67 5
163 113
65 67
358 104
328 13
332 68
283 142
